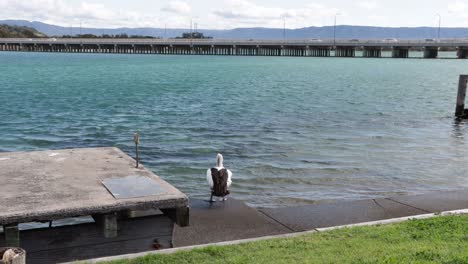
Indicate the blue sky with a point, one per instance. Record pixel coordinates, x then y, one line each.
219 14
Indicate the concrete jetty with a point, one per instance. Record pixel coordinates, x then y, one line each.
51 185
291 48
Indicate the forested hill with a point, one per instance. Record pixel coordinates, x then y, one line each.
11 31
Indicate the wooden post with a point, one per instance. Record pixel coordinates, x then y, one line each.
12 238
136 139
462 85
179 215
108 223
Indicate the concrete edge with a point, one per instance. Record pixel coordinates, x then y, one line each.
396 220
290 235
188 248
174 201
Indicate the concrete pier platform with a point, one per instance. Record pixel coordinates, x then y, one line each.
49 185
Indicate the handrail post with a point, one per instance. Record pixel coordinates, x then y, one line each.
462 85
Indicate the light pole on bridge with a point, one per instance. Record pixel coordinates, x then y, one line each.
284 28
191 27
438 30
334 32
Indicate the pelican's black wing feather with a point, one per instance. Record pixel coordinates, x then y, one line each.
220 178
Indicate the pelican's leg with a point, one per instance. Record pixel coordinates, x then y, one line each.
211 198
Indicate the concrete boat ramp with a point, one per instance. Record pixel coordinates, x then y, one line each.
234 220
53 185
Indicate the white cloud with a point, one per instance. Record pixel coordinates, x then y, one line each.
458 10
235 13
244 12
54 8
457 7
62 12
377 19
368 4
242 9
177 7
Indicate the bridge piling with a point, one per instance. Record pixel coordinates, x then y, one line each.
431 52
400 52
462 85
372 52
345 51
462 52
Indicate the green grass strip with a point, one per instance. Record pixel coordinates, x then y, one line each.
436 240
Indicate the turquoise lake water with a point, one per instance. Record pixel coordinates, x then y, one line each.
292 130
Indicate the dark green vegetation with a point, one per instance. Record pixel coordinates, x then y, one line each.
107 36
193 35
437 240
7 31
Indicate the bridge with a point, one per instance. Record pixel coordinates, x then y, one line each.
233 47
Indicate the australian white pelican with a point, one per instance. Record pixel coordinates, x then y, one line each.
219 179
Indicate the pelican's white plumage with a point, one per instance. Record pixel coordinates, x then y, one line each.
219 166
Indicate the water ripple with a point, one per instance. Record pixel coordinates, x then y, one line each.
291 129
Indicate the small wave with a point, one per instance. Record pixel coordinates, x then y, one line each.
183 170
294 201
42 141
265 169
200 150
320 162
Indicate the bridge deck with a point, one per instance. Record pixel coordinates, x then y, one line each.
297 48
246 42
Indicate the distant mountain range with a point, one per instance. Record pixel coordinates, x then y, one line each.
342 32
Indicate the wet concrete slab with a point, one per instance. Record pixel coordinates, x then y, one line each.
234 220
304 218
55 184
224 221
436 201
